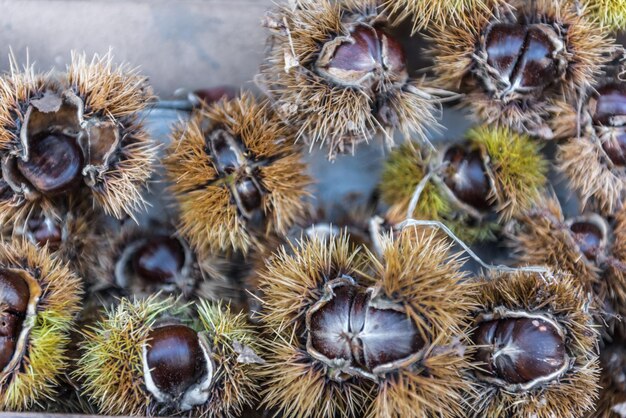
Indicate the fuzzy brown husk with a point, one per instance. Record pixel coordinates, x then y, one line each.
417 271
543 238
457 63
599 183
111 366
46 359
110 96
423 14
563 300
325 113
209 216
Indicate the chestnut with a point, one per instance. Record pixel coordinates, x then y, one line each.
159 259
589 238
523 55
610 103
14 298
55 163
466 176
155 357
175 358
230 159
45 231
365 58
350 328
224 149
522 350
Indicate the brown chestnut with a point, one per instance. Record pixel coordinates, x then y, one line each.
519 350
610 102
588 237
523 55
175 358
349 328
43 230
55 163
364 58
225 150
160 259
14 299
466 177
249 196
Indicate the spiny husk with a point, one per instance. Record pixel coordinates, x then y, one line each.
325 113
599 185
292 279
207 276
587 49
404 169
117 93
543 238
209 217
425 13
516 165
513 161
82 227
110 94
111 369
46 358
17 87
417 271
574 393
610 13
237 380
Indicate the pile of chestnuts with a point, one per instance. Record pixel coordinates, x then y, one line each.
249 297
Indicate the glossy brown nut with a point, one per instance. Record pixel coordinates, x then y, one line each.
45 232
7 347
367 51
175 358
467 178
611 102
54 165
223 147
504 44
14 292
14 298
250 195
348 328
588 237
537 67
393 55
519 350
523 55
159 260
